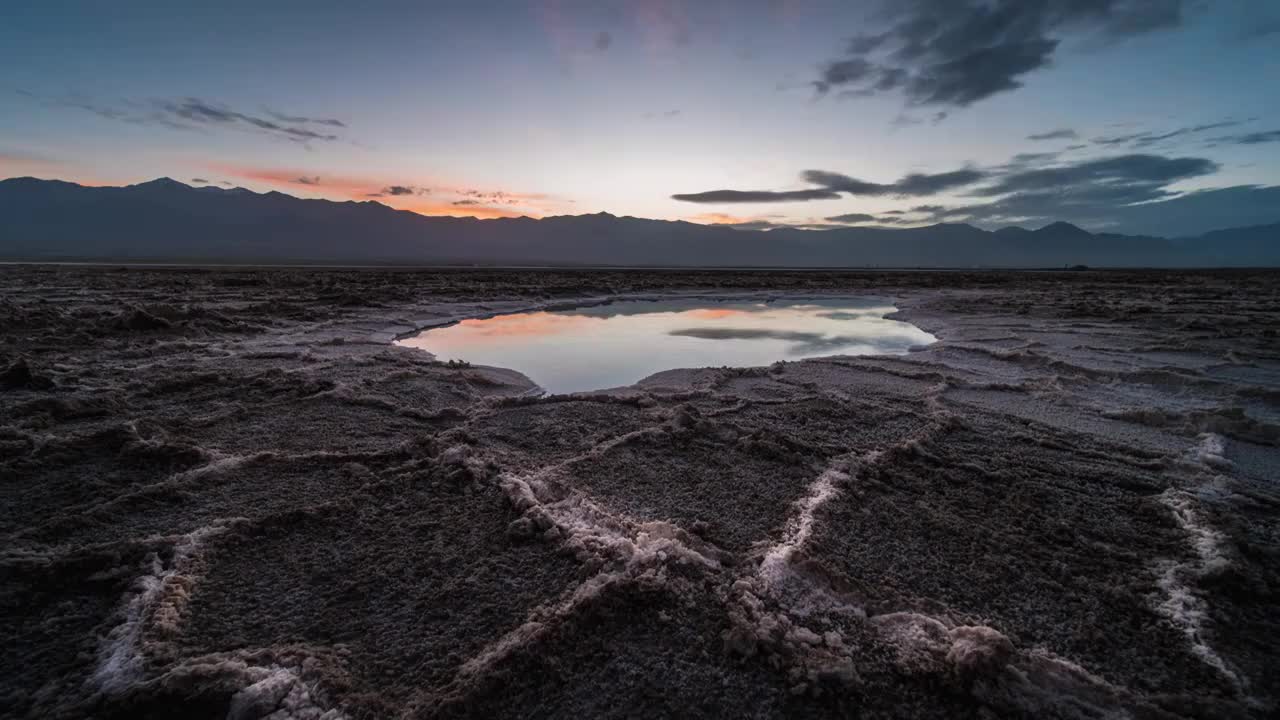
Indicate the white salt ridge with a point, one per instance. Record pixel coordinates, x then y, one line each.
278 693
1212 451
157 595
1183 606
774 567
593 534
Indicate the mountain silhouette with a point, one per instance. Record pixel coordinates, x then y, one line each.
166 220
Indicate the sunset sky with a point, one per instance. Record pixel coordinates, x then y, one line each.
788 112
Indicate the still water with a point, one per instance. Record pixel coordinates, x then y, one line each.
605 346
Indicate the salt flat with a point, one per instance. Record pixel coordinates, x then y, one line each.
252 503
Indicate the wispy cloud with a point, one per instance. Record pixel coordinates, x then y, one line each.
1062 134
665 115
26 156
302 119
1254 138
202 113
1141 140
22 162
195 114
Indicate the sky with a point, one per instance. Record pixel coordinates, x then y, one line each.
1139 116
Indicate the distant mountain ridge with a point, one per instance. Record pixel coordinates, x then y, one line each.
165 220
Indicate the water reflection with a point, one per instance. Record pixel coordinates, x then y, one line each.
620 343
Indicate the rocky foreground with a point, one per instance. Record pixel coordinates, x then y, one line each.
224 493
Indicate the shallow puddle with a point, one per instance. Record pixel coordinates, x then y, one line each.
605 346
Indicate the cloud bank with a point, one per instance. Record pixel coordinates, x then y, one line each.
755 196
1120 192
954 53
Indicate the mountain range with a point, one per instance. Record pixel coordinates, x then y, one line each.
165 220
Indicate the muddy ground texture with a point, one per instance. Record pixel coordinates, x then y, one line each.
224 493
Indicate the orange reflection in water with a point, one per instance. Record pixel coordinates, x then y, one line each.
717 313
531 324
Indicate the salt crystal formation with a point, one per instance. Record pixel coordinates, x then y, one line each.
226 494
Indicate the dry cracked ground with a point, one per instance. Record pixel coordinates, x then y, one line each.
224 493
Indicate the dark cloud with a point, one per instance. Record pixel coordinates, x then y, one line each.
400 190
755 225
466 202
1129 193
844 72
1063 134
1035 187
1031 187
831 184
958 52
768 225
851 218
1025 158
200 181
915 184
1138 175
755 196
1255 138
920 184
844 183
1111 209
603 41
887 218
304 180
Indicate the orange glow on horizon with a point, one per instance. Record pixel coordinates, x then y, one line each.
436 209
351 187
715 218
432 199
